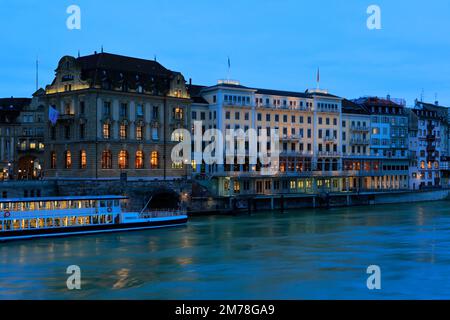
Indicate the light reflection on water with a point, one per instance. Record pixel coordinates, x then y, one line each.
308 254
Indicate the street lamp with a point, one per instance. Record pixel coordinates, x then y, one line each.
186 162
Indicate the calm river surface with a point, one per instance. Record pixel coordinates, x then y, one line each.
307 254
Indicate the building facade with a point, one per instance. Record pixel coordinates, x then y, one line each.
327 144
311 139
429 169
389 141
111 117
21 138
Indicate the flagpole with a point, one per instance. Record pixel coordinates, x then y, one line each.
318 78
37 73
228 72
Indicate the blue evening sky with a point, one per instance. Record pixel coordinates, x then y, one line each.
272 44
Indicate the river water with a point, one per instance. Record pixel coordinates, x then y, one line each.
305 254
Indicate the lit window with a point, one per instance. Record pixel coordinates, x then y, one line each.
67 160
139 162
53 160
123 131
83 159
154 160
139 132
178 113
123 159
422 165
106 159
106 131
236 187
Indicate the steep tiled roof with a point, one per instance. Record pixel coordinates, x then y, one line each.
195 93
108 61
352 107
14 104
111 70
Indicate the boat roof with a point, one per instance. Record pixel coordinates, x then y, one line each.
68 198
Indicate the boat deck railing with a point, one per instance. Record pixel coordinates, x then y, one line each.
163 213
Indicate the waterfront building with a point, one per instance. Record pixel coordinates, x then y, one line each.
389 141
111 117
327 143
30 140
357 157
308 124
432 146
9 126
21 138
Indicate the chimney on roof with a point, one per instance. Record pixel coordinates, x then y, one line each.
95 52
190 81
436 103
389 97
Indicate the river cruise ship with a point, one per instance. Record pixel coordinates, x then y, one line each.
27 218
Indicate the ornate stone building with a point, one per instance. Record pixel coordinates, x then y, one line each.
112 117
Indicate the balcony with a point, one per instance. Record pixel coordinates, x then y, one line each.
292 137
296 154
67 117
329 140
328 154
359 141
360 128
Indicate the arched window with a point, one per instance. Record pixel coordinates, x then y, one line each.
422 164
53 160
106 159
154 160
83 159
139 161
67 160
123 159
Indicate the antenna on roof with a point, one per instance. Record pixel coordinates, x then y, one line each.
154 57
421 95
